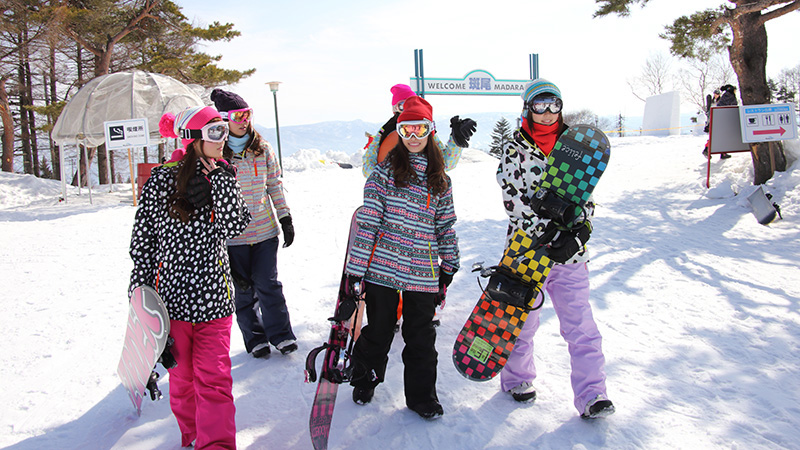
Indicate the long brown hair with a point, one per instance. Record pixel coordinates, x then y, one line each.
179 207
403 173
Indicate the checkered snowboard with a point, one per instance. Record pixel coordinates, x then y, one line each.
573 169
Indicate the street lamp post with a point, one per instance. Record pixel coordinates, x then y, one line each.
273 86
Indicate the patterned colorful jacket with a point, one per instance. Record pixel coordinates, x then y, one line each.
262 189
451 152
403 232
187 263
519 173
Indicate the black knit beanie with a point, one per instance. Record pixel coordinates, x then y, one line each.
227 101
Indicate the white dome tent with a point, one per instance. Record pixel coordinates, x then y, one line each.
119 96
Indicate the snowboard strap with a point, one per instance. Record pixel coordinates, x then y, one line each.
311 370
152 386
508 289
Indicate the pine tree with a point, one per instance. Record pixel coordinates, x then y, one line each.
500 136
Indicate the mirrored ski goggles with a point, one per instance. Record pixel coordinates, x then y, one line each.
238 115
211 132
540 105
418 128
398 107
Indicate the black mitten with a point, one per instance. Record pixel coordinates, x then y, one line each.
462 130
198 191
569 243
288 230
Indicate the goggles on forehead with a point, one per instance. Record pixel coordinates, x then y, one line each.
418 128
238 115
398 107
211 132
540 105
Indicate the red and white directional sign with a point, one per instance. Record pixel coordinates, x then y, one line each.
775 122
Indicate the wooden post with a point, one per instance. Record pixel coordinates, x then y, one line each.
133 183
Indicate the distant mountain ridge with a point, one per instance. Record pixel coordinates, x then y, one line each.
349 137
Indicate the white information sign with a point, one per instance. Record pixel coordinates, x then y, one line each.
762 123
477 82
126 133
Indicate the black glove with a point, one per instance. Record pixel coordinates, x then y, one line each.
569 243
288 230
223 168
462 130
227 167
167 359
444 281
198 191
445 278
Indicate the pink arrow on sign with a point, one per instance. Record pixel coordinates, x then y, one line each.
780 131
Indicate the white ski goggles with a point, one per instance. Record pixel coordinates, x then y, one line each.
418 128
211 132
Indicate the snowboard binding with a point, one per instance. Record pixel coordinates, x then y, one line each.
332 370
337 366
506 288
565 214
152 386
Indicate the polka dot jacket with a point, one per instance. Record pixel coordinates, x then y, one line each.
519 173
187 263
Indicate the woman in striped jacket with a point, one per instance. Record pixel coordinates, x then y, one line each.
254 253
405 229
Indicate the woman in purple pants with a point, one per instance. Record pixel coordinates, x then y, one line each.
521 166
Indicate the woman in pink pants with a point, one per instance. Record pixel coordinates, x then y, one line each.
189 207
522 165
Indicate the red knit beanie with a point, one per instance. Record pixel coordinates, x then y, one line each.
416 108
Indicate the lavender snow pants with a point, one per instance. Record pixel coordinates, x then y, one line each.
568 289
200 386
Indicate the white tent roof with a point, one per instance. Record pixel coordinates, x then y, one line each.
121 96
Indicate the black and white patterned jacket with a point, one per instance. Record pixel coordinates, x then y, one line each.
187 263
519 173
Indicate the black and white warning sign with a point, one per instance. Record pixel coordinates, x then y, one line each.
126 133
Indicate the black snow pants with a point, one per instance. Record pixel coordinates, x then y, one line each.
371 353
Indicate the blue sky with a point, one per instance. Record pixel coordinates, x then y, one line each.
337 60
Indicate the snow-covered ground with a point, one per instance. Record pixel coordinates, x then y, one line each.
697 303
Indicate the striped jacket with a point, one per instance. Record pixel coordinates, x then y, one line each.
262 189
404 232
187 263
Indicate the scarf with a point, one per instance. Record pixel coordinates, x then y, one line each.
238 144
544 136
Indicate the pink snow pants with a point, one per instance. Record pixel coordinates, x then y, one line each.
200 386
568 289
